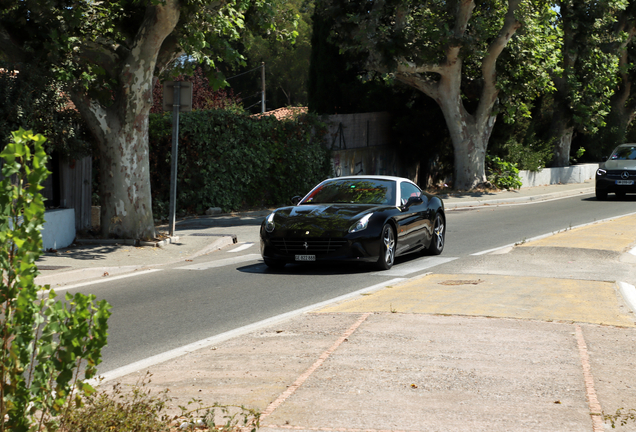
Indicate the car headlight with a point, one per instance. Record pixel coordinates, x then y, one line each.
269 223
361 224
601 172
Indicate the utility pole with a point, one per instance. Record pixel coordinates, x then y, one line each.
263 86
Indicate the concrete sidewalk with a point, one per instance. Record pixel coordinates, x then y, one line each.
496 348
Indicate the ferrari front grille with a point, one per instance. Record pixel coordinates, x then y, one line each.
312 246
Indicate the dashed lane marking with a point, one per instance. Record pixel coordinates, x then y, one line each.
221 263
241 247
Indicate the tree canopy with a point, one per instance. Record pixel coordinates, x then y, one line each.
587 75
108 54
464 54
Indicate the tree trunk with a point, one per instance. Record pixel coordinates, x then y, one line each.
562 131
121 131
469 135
562 148
126 210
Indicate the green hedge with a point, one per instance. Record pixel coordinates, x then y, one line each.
235 161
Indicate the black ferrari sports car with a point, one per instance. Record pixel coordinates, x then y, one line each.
359 219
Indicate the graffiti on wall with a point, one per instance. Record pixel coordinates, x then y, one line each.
369 161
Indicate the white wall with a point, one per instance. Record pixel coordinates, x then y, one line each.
547 176
59 228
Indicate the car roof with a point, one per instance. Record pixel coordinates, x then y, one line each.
625 145
374 177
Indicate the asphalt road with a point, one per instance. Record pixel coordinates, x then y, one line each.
225 290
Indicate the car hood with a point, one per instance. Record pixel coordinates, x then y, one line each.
324 219
620 164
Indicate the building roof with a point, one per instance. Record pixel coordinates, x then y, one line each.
284 113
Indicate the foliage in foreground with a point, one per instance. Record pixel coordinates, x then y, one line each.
141 411
44 341
502 174
236 161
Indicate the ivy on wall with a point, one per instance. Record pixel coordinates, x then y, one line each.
236 161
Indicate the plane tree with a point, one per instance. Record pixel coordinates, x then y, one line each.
587 75
108 55
623 101
476 59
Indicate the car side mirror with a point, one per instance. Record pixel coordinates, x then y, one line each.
295 200
412 201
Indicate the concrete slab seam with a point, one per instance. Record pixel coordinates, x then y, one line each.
541 237
592 399
629 294
302 378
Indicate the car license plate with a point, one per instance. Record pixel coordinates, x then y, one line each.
625 182
305 257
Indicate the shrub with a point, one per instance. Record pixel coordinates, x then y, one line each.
235 161
43 340
532 157
141 411
502 174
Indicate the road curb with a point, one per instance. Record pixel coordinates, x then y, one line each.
217 244
128 242
91 273
87 273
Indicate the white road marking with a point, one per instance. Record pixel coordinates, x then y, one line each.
415 266
214 340
633 251
221 263
105 279
242 247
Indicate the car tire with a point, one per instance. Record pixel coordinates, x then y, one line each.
601 195
439 235
387 248
274 264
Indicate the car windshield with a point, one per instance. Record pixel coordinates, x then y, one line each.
624 153
353 191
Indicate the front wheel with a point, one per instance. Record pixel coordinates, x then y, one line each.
439 235
601 195
387 248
